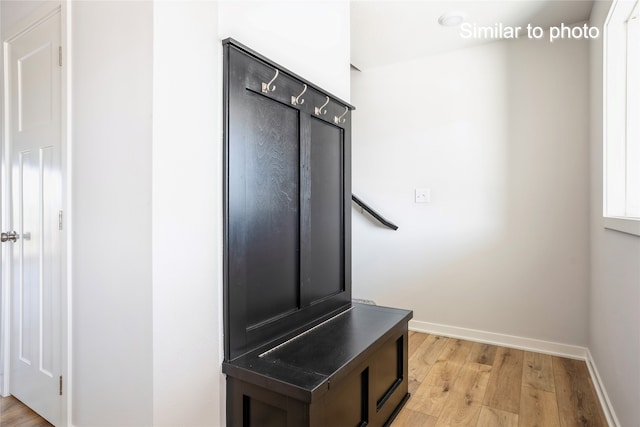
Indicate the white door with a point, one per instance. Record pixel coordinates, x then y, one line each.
34 143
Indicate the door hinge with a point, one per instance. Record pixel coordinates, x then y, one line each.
60 56
60 220
60 385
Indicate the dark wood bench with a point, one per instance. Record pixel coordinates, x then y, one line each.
348 371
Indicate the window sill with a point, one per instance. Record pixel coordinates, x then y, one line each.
624 225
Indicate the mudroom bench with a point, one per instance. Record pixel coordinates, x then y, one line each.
350 370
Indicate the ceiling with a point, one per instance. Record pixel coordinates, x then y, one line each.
388 31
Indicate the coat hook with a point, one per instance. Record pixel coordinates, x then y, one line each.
295 100
319 110
266 87
340 119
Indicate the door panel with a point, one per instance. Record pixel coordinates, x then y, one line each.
34 91
34 77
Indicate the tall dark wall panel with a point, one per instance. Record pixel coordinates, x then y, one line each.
287 244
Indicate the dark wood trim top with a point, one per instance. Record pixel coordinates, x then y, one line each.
304 366
256 55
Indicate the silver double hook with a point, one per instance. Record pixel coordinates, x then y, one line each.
341 119
321 110
295 100
266 87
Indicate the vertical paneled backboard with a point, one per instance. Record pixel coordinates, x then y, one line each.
287 182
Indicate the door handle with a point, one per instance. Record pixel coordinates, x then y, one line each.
11 235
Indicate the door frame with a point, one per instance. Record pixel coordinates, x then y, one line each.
41 13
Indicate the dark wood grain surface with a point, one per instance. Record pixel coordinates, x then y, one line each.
287 258
304 365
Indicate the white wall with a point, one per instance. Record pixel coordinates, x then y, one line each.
187 200
111 246
310 38
614 315
499 134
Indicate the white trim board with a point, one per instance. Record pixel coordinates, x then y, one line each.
528 344
607 408
623 225
511 341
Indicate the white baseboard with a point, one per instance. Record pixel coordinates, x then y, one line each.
528 344
609 413
511 341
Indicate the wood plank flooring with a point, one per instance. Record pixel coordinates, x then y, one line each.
462 383
14 413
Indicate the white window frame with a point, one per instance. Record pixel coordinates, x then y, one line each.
621 156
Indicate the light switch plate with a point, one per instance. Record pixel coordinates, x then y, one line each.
423 195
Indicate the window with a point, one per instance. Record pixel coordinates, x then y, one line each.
622 117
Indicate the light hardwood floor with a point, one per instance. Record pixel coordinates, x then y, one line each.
462 383
14 413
